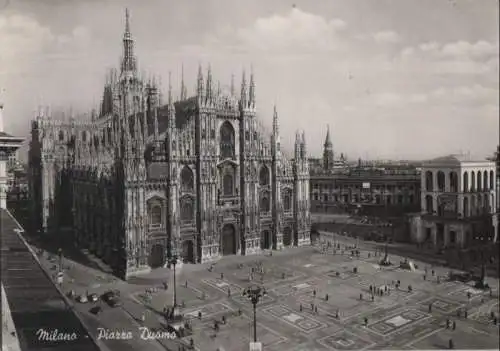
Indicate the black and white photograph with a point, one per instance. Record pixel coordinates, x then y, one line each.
231 175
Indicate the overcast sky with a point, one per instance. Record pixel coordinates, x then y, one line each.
393 79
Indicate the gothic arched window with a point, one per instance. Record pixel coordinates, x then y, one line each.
228 185
264 176
264 202
441 181
61 135
155 215
187 179
429 182
187 209
227 140
466 181
287 200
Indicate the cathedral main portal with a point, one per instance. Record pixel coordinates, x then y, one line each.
188 251
265 240
287 236
228 240
157 256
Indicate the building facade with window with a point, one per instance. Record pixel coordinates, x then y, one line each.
197 177
458 203
378 191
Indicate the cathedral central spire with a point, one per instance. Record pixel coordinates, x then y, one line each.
127 24
129 62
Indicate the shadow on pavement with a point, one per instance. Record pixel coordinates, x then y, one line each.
52 246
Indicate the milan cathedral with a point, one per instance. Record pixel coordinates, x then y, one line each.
143 181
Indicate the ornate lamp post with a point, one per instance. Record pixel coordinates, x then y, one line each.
172 260
254 293
59 251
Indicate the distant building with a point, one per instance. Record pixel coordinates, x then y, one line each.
369 191
8 146
372 188
458 197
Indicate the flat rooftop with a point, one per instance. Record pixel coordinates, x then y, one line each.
35 303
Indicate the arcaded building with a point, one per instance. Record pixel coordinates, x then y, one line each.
197 175
458 203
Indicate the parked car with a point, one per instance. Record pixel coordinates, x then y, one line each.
114 302
110 294
96 310
93 297
82 299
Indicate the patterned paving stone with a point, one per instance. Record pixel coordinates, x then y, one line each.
345 340
396 322
300 321
208 310
223 285
441 304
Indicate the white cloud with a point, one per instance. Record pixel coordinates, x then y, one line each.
21 35
479 50
387 99
297 31
386 37
473 95
23 41
455 58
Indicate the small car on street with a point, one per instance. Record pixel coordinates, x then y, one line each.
110 294
114 302
82 299
96 310
93 297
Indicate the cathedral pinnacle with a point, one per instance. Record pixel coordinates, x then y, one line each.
251 100
183 86
328 141
243 89
232 84
209 84
169 88
275 121
199 86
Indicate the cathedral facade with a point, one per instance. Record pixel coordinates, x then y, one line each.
142 181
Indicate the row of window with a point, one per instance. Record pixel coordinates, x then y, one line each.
357 187
400 199
187 208
476 206
480 181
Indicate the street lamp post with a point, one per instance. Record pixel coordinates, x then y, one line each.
60 259
173 261
254 293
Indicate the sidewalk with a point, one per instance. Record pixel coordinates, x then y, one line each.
10 342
